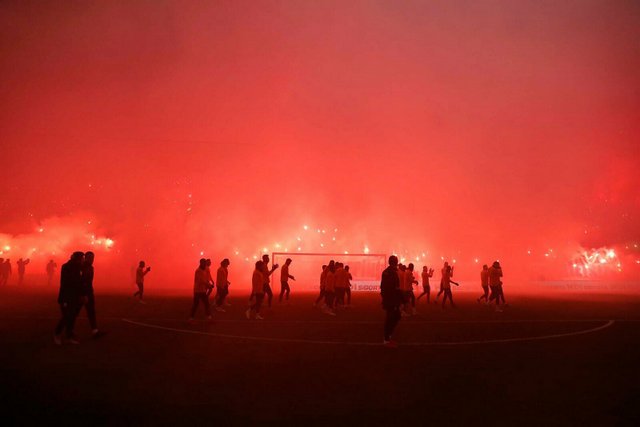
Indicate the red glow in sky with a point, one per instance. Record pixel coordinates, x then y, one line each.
458 130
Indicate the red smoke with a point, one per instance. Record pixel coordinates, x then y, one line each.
462 131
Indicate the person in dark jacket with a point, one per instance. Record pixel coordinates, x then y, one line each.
70 298
22 268
391 300
87 285
5 271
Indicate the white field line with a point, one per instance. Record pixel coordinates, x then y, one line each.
304 341
349 322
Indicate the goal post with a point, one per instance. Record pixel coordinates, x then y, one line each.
306 267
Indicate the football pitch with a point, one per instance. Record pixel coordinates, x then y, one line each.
562 360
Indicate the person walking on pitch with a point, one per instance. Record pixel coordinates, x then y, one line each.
257 291
391 300
140 273
200 285
484 282
222 279
284 280
426 287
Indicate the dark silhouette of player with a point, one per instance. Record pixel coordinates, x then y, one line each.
257 291
402 274
446 285
201 282
427 273
285 289
22 267
87 284
410 297
330 288
211 283
267 277
341 284
51 271
323 276
347 290
70 297
391 300
6 271
445 268
484 282
495 283
401 269
140 273
222 279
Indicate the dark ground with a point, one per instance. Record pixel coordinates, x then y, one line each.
140 375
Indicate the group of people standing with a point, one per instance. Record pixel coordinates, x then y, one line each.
6 270
261 285
335 286
407 279
396 289
76 291
398 300
203 285
491 281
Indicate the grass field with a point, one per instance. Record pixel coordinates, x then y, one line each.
557 361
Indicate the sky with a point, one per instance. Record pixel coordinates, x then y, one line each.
448 130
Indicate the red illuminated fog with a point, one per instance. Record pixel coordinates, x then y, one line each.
448 131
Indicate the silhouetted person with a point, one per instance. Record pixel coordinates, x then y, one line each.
267 277
87 284
211 283
2 281
222 279
200 287
6 271
347 290
330 288
51 271
323 276
341 283
446 285
401 279
484 282
257 291
427 273
285 290
495 283
409 296
445 268
401 269
140 273
70 297
391 300
22 264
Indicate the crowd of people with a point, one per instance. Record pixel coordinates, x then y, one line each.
396 289
335 285
6 270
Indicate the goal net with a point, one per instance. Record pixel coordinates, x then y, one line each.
307 267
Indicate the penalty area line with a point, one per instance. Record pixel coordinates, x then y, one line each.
355 343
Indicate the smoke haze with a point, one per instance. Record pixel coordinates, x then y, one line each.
467 131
